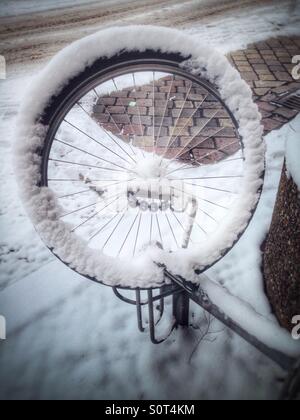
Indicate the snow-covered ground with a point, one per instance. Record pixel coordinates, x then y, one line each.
69 338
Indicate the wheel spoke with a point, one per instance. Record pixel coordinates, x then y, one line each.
80 209
128 233
189 120
165 110
202 199
87 165
179 222
170 226
229 160
97 213
200 227
139 113
153 111
177 119
186 166
90 154
90 180
210 188
106 132
137 234
104 226
151 226
126 113
200 142
97 141
114 229
76 193
217 150
209 177
159 231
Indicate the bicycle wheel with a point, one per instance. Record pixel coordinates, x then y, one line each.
139 158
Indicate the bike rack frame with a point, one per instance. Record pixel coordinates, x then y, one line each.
182 292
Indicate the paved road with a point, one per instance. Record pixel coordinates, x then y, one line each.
30 35
31 32
69 337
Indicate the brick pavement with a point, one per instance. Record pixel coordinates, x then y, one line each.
198 129
198 123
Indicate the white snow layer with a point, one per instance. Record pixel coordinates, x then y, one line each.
293 152
40 202
265 330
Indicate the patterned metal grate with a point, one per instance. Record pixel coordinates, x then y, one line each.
291 101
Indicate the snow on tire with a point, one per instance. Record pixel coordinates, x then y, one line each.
136 146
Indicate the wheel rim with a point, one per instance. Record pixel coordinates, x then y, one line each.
95 210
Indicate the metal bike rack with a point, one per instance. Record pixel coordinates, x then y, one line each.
173 290
182 292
